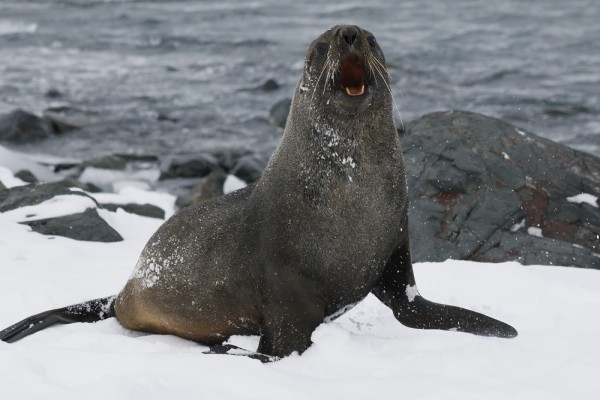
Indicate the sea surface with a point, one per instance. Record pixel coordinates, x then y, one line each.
181 77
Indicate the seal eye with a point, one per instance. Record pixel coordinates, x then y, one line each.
372 41
321 49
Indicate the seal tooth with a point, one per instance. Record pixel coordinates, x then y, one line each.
353 91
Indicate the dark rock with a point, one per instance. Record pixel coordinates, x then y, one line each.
22 127
279 112
106 162
477 184
270 85
144 158
249 167
209 187
62 166
53 94
73 183
229 158
166 117
29 195
566 111
66 119
26 176
190 167
145 210
2 187
83 226
88 226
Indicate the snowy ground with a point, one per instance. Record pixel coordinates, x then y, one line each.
366 354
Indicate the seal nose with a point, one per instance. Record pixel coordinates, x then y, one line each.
349 34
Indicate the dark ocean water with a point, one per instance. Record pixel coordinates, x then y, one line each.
174 77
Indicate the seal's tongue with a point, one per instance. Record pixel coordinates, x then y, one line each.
352 76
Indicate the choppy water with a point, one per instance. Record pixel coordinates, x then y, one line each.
171 77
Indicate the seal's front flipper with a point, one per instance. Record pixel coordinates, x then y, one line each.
234 350
397 289
89 311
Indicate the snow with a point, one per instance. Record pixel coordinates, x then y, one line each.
232 183
517 226
364 354
8 179
584 198
411 293
116 180
535 231
15 162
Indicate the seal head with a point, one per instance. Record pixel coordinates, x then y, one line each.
342 66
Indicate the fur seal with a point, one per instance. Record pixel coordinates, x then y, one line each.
324 226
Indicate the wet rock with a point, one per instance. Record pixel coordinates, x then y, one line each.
190 167
65 119
478 185
106 162
65 166
33 194
207 188
80 226
145 210
166 117
87 226
138 158
279 112
26 176
22 127
249 167
228 159
270 85
53 93
71 182
566 111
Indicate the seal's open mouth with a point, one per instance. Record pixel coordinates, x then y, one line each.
352 76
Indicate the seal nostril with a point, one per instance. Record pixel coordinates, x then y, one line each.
349 34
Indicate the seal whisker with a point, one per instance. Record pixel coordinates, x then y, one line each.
316 84
332 68
369 64
378 66
392 81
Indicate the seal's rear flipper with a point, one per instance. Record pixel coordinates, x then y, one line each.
89 311
233 350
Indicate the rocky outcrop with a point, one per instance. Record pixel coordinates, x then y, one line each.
279 112
145 210
482 189
22 127
190 167
86 225
204 189
29 195
65 119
